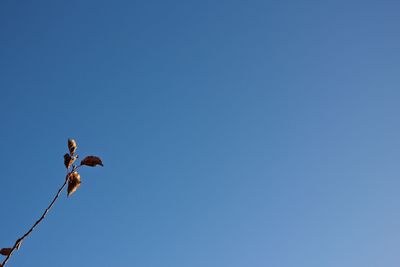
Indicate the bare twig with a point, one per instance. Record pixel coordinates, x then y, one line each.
19 241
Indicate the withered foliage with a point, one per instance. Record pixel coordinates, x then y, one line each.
72 146
73 179
68 160
73 183
92 161
5 251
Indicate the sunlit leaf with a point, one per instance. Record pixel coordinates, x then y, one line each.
92 161
72 146
74 182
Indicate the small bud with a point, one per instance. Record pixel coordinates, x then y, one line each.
18 244
72 146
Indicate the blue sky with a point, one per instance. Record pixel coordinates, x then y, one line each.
233 133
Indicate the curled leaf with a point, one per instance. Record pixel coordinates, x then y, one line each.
72 146
68 160
74 181
92 161
5 251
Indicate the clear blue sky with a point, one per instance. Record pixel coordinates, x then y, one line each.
234 133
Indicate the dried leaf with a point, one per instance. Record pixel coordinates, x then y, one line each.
92 161
5 251
72 146
68 160
74 181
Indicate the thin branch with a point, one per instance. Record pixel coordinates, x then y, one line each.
18 242
73 179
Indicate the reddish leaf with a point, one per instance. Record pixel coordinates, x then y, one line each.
5 251
92 161
74 181
72 146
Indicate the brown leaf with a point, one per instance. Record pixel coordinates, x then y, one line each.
5 251
72 146
92 161
74 181
68 160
